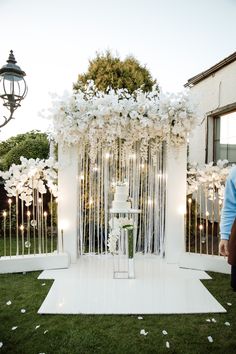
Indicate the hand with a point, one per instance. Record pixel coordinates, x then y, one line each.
223 247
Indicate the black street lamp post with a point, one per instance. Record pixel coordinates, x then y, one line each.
13 88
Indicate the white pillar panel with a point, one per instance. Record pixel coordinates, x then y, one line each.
67 200
175 202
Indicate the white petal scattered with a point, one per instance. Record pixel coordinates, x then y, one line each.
208 320
8 303
43 284
143 332
229 304
210 339
45 331
227 323
14 328
36 327
23 310
213 320
140 318
167 345
1 344
164 332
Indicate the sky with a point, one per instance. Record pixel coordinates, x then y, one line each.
53 41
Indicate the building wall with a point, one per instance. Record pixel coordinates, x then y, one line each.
214 92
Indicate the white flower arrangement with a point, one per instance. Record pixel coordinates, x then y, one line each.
92 117
211 178
31 174
116 224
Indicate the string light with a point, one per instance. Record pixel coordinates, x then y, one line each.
40 200
201 227
207 213
4 214
182 209
189 200
45 214
9 201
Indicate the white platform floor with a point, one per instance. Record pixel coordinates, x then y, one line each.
88 287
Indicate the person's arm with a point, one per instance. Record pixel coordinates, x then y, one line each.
228 213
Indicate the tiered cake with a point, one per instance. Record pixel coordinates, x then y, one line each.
120 198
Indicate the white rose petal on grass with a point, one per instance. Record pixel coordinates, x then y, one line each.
1 344
210 339
167 345
43 284
208 320
23 310
8 303
143 332
14 328
45 331
164 332
36 327
227 323
140 318
213 320
229 304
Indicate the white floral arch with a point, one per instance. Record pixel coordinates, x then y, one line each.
97 130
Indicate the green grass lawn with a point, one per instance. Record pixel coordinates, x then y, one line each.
109 334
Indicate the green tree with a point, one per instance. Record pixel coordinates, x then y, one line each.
33 144
107 70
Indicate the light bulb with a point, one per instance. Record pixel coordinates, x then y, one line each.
45 214
9 201
4 214
201 227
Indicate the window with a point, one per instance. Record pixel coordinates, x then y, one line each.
224 138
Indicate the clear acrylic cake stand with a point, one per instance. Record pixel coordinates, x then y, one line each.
123 266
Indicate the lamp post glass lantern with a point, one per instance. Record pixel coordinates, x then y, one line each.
13 88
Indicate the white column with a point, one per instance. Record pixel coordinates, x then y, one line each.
67 198
175 203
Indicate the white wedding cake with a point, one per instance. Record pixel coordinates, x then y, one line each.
120 198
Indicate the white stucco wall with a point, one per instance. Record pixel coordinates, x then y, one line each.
216 91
